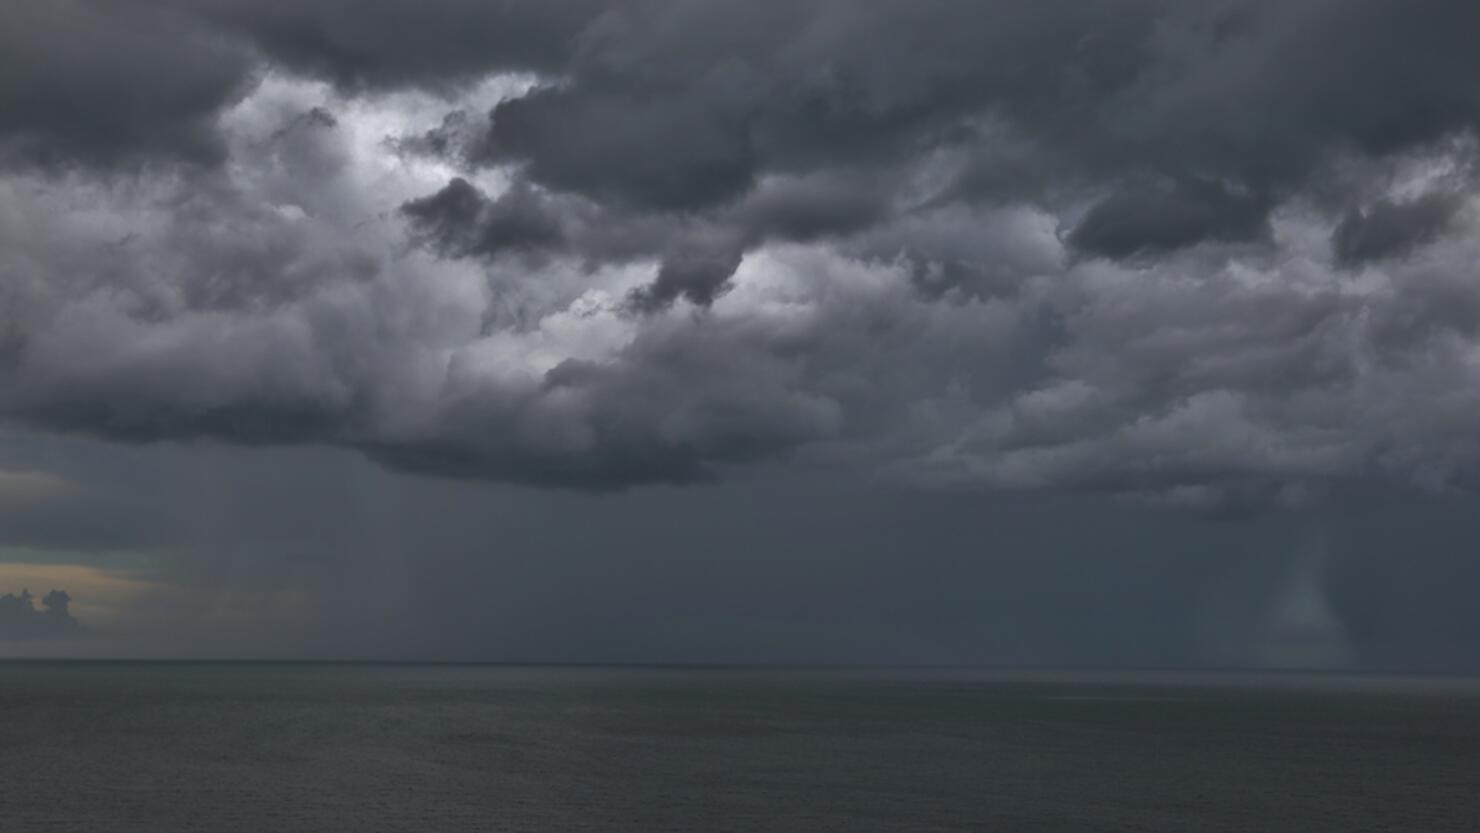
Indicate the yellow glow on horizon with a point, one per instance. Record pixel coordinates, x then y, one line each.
26 485
99 596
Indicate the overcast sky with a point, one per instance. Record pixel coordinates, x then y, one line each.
1012 332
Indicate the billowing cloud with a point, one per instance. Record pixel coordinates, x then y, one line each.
1195 253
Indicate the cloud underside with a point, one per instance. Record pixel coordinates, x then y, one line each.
1189 252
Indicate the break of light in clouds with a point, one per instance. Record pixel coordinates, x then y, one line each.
1169 262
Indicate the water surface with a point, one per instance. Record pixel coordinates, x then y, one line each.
164 747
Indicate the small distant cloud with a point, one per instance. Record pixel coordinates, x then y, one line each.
21 619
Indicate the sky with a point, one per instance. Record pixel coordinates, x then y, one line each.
1013 333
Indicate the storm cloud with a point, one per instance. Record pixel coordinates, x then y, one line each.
1195 253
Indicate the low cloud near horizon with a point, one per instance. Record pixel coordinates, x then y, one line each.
20 618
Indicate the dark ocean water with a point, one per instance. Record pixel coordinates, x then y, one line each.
267 748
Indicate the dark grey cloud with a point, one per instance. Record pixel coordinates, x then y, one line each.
1067 245
20 618
1143 220
678 405
699 249
461 221
382 43
653 152
107 83
1249 99
1198 119
1388 228
812 207
698 274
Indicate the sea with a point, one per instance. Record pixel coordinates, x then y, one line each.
267 748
